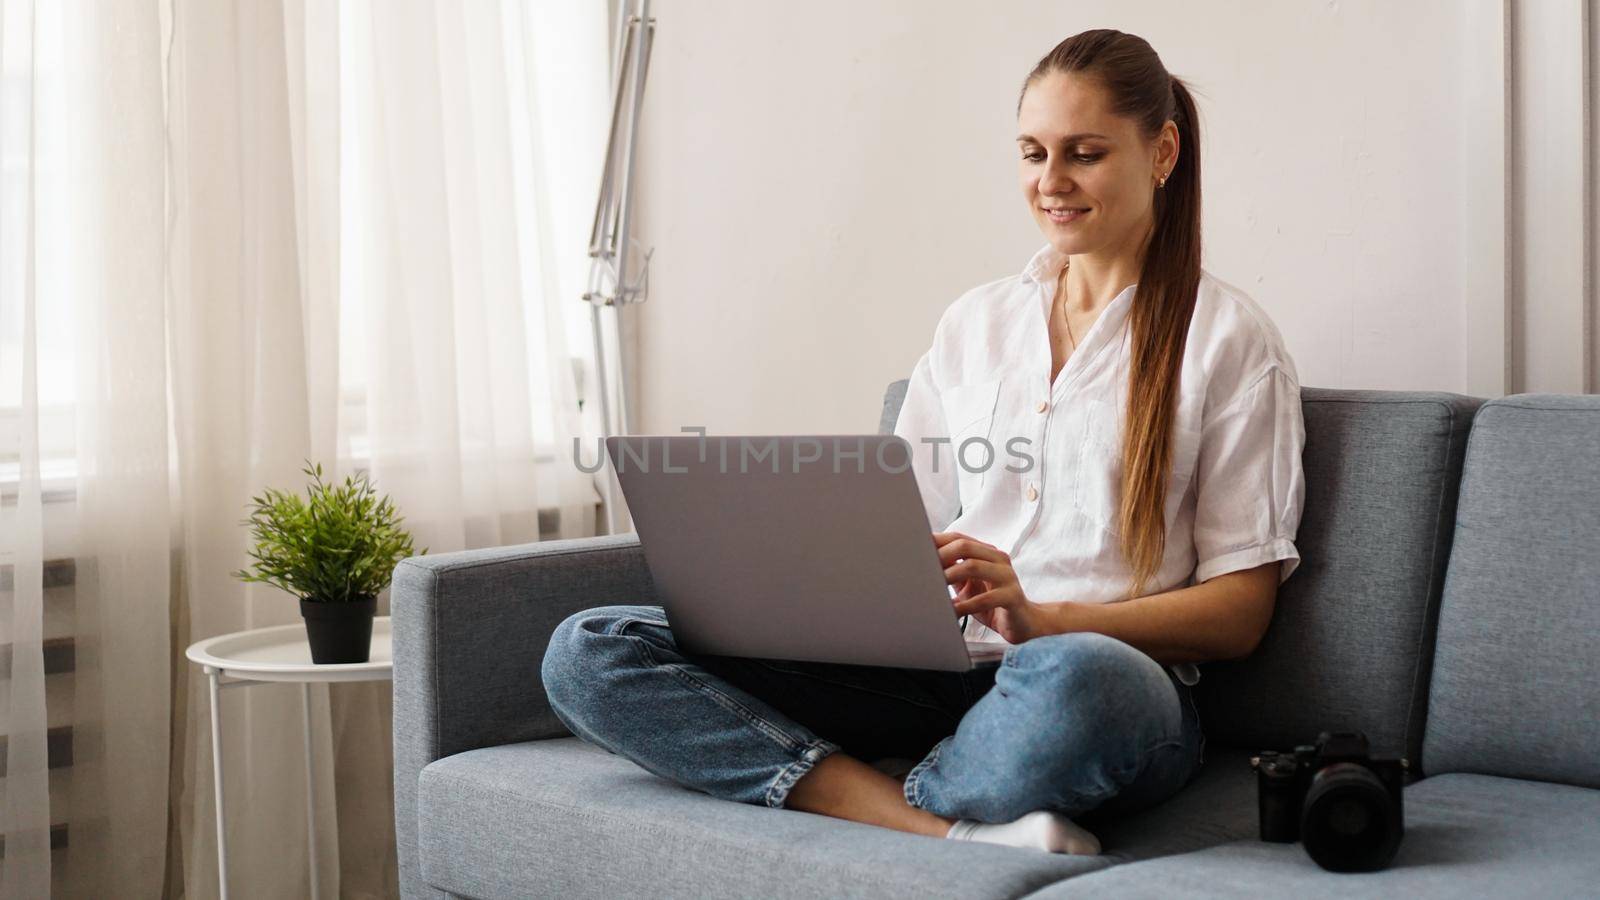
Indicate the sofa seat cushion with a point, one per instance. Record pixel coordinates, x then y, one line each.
1466 836
1216 807
563 817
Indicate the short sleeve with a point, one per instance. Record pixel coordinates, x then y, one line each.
922 424
1249 482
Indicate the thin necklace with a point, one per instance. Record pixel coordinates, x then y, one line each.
1062 292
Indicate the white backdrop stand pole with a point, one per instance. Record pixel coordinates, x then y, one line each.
609 284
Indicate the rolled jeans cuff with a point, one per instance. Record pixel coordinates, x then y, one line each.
810 755
913 781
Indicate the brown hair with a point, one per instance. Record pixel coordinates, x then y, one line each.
1141 89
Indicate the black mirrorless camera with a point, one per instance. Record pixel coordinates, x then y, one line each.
1336 799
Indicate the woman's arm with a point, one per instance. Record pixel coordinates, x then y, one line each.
1223 618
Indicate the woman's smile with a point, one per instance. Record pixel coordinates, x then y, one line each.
1065 216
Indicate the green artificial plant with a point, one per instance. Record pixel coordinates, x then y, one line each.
340 545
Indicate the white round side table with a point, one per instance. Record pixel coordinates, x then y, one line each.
277 654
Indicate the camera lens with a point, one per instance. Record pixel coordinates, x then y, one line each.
1347 818
1349 823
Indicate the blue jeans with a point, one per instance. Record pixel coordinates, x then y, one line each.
1075 722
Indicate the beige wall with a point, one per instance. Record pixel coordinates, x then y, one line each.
821 180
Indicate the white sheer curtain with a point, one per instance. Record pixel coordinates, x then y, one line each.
235 235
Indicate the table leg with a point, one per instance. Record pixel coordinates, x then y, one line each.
216 775
311 791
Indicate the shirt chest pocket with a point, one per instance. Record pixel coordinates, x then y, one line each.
969 411
1097 483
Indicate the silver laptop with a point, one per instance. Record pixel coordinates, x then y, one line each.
793 547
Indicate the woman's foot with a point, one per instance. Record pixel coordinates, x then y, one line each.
1041 829
1044 830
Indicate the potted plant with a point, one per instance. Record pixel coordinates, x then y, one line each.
336 550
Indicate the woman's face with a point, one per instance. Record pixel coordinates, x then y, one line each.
1075 154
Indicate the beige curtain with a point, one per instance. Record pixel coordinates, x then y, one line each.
251 233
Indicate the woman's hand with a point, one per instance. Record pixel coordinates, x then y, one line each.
987 586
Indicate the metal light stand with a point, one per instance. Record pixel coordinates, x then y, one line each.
609 284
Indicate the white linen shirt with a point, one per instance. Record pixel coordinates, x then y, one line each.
1236 490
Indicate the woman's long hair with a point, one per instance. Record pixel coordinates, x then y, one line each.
1141 89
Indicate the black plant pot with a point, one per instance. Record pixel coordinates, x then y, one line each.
340 632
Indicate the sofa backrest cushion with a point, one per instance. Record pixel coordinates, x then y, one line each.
1350 641
892 398
1516 682
1351 638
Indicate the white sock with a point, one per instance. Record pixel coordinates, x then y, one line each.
1042 829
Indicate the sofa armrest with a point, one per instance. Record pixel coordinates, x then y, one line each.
470 632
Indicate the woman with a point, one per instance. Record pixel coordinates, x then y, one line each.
1128 429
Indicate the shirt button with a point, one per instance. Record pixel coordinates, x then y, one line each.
1033 493
1043 405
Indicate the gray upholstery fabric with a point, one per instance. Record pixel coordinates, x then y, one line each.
892 398
1466 836
564 818
1350 641
1218 806
1516 687
470 630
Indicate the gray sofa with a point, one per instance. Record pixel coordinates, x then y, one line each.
1447 603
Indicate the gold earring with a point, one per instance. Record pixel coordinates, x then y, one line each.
1162 183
